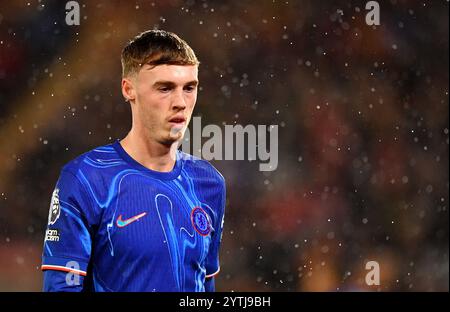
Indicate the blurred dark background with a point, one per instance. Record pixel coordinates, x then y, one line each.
363 131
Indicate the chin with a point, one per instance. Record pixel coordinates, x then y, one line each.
169 141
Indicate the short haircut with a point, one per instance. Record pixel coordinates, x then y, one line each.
155 47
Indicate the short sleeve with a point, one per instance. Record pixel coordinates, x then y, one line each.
67 243
212 260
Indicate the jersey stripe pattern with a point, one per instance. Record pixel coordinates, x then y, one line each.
116 225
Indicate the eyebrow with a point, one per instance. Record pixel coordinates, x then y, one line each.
172 84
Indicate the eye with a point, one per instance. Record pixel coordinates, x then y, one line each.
164 89
189 88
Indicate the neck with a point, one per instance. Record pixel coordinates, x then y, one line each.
151 154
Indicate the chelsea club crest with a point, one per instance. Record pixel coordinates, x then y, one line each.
201 221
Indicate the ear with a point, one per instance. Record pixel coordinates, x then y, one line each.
128 89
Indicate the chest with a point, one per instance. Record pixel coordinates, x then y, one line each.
157 221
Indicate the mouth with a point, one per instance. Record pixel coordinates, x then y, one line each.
177 121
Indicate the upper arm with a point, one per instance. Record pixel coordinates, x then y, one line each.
67 243
212 260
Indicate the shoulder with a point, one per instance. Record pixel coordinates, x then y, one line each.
82 180
93 160
201 167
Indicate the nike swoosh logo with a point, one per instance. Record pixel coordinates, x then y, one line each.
123 223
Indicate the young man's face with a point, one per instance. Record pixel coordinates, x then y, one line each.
164 98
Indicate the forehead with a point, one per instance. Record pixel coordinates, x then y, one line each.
174 73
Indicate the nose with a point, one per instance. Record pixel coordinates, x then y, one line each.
179 102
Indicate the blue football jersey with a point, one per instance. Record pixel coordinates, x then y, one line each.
123 227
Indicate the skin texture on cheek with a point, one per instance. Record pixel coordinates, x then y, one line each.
152 113
154 108
151 119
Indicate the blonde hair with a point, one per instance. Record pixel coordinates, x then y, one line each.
156 47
